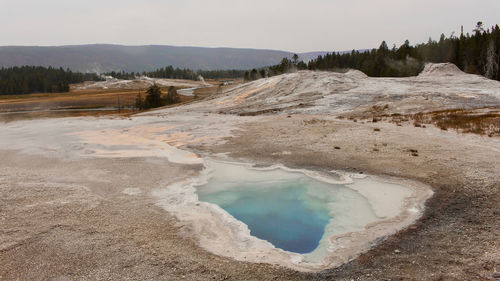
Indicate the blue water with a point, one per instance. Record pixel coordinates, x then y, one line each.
280 211
292 211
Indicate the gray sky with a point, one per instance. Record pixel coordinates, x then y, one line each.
292 25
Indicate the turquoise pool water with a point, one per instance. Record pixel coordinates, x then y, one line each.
289 209
284 215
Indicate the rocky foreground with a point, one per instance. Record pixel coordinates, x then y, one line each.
77 195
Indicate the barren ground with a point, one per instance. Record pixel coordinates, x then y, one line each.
68 213
455 240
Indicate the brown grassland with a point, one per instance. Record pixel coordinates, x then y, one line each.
90 102
481 121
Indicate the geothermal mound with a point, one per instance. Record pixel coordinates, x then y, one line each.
440 69
356 74
438 87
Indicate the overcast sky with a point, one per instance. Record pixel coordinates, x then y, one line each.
291 25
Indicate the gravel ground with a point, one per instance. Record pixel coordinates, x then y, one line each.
71 220
92 219
66 214
456 239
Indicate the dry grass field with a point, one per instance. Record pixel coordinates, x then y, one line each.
88 102
481 121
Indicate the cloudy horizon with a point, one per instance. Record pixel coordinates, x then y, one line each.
289 25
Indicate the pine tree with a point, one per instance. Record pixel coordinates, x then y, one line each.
139 102
172 96
153 97
491 67
254 74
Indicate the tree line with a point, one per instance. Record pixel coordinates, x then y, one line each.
37 79
476 53
170 72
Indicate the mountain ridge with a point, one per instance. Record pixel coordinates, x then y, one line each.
112 57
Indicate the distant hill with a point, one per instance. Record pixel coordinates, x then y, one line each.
104 58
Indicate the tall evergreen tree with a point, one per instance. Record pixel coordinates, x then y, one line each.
172 96
153 97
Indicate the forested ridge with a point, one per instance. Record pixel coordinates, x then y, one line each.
477 53
104 58
37 79
170 72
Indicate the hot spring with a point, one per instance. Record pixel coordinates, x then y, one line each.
297 211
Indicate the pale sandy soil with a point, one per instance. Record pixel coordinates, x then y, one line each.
138 83
76 220
455 240
79 196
